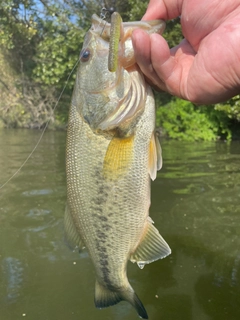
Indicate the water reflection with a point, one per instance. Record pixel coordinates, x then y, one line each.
37 192
195 205
12 277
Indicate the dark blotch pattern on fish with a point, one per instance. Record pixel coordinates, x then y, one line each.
101 235
104 263
106 227
99 209
98 200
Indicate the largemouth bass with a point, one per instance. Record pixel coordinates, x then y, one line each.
112 154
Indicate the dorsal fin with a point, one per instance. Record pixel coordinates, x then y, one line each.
159 152
155 156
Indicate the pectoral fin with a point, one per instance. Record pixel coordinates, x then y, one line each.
72 236
118 157
155 157
151 248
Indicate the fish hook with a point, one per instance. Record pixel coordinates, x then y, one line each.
104 13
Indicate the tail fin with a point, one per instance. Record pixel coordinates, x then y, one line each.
105 297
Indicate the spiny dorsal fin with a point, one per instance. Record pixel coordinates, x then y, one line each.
155 156
71 235
118 157
151 248
104 297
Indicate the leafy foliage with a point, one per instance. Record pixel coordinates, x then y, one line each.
173 33
137 9
231 108
40 41
181 120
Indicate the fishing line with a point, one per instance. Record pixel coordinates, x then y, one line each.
44 129
103 16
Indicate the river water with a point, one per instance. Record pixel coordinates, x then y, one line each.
195 205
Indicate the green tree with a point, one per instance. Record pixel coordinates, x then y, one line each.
40 42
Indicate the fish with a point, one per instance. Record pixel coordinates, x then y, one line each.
112 154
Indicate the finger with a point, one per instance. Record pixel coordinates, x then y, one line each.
160 9
172 66
142 44
161 59
142 51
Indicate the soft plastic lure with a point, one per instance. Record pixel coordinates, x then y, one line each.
115 34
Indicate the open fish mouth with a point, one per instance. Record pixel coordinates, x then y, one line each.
119 101
118 31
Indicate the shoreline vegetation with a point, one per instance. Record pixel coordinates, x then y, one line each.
40 43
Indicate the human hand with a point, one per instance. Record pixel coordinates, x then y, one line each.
205 66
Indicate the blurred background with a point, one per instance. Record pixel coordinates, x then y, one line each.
40 42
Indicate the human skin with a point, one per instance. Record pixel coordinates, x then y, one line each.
205 67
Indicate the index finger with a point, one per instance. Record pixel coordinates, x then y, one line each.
163 9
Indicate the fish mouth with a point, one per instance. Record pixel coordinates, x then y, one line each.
102 28
120 101
121 52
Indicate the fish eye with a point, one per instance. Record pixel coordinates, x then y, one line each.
85 55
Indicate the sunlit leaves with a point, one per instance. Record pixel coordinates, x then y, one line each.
40 41
56 55
16 20
181 120
231 108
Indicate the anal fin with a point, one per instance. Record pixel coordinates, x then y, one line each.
72 236
151 248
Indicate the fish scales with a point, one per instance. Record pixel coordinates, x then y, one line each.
109 202
110 144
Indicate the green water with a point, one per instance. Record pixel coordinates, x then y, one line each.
195 205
